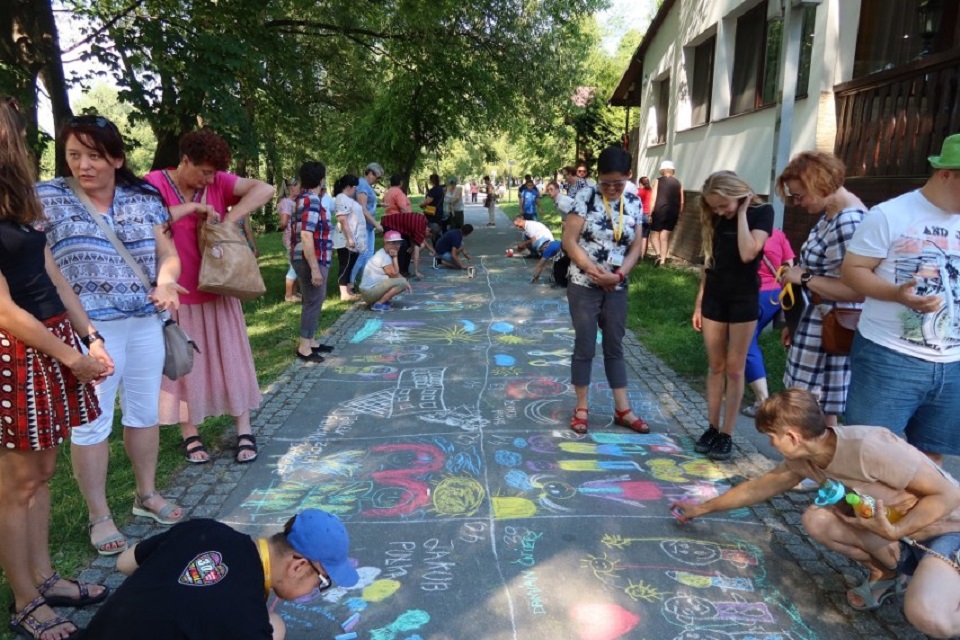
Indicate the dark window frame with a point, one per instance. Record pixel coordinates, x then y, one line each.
748 54
701 93
663 108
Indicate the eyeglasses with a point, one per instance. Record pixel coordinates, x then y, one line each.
98 121
797 197
581 172
612 184
323 583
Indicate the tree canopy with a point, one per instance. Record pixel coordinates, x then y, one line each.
406 83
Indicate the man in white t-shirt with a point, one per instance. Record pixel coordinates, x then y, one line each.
381 279
905 361
536 235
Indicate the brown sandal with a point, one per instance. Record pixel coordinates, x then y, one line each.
578 424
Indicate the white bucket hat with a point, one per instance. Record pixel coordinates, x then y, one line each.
667 164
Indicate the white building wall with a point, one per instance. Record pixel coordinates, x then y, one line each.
743 143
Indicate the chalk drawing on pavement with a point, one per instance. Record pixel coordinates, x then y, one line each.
417 391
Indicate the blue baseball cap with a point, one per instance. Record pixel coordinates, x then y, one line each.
321 537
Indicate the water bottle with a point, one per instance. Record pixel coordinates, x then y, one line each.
832 493
866 507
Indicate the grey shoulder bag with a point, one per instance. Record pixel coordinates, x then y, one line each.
178 348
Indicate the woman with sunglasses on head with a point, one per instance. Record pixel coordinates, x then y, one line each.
223 380
45 391
813 180
601 235
103 202
735 226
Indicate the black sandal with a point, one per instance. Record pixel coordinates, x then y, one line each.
193 445
24 624
251 445
66 601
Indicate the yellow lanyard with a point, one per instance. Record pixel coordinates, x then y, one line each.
265 561
617 232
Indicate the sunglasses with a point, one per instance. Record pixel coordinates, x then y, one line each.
11 102
323 584
96 121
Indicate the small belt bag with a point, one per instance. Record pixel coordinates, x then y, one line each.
839 328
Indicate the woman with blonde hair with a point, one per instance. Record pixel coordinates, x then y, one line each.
44 392
735 225
814 180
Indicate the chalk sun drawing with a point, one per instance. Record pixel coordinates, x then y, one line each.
457 496
643 591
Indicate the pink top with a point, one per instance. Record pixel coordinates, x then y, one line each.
395 201
220 197
777 250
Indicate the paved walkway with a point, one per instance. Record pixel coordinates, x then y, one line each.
438 432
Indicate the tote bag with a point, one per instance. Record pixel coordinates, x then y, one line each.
227 264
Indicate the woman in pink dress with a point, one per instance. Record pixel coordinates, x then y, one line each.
223 380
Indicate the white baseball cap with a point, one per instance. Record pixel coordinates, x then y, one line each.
667 164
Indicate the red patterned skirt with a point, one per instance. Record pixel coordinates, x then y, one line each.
40 399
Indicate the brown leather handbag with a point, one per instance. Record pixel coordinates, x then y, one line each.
227 265
839 327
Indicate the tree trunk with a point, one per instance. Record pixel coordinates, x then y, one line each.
30 47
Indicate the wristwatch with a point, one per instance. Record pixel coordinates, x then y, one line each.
92 337
805 279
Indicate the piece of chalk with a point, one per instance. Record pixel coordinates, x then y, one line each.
350 623
345 636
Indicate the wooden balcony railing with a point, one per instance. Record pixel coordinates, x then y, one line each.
889 122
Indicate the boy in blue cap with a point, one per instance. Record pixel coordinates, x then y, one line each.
203 579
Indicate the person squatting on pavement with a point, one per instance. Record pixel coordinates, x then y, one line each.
381 279
536 235
602 237
915 527
202 579
451 249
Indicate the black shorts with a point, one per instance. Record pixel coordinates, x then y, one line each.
664 221
730 301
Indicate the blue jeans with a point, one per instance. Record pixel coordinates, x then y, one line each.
916 399
366 255
769 306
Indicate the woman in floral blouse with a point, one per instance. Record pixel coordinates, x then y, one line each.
602 237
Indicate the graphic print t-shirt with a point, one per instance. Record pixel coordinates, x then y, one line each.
915 241
529 200
198 580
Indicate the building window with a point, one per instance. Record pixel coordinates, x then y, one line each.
702 81
663 108
755 60
806 50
